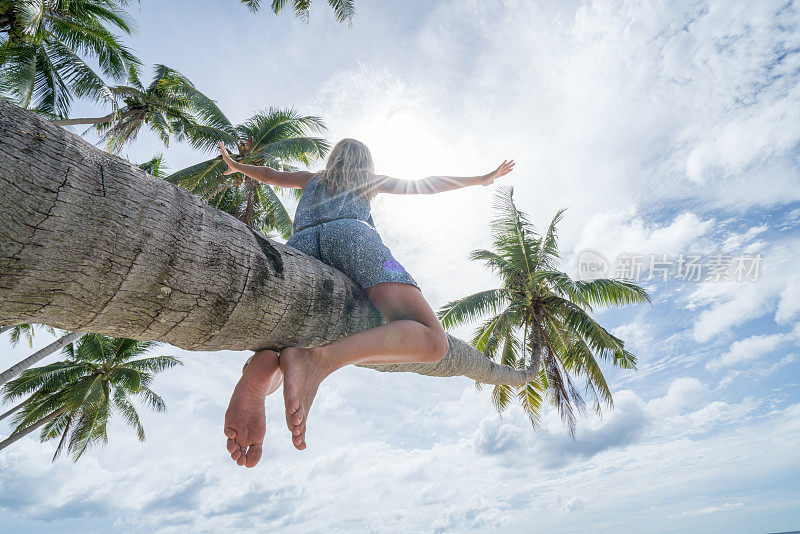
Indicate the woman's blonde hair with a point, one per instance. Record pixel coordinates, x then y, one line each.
350 167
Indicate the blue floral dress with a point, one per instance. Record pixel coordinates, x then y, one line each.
338 230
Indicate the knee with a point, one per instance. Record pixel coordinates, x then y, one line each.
439 345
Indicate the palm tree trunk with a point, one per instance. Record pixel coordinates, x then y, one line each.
535 347
248 214
90 120
146 260
37 356
15 408
27 430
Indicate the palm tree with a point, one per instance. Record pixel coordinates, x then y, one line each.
559 336
343 9
171 103
45 45
73 399
276 138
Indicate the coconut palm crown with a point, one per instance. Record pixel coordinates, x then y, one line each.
550 310
47 48
276 138
72 400
170 104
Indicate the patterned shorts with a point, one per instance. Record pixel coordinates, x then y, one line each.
353 247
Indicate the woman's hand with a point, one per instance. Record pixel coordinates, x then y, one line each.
504 168
227 159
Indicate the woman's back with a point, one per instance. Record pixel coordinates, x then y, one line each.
318 205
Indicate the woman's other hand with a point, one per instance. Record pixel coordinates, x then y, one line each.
227 159
504 168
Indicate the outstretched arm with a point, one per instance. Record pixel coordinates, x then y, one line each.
265 174
439 184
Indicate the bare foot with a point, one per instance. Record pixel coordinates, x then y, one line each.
303 371
245 419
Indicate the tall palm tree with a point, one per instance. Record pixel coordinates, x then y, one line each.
558 335
73 399
276 138
343 9
45 45
169 104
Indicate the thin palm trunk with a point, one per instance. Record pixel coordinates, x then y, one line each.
248 214
15 408
183 273
27 430
37 356
536 350
91 120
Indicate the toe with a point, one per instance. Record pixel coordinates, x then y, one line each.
294 419
232 446
297 416
230 432
242 458
236 454
253 455
291 398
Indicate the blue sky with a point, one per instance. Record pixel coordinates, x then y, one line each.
667 128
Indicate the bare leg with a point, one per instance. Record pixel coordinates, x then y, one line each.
245 419
417 337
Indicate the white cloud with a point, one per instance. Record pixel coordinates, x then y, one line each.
727 507
751 348
727 304
615 233
744 304
789 304
683 392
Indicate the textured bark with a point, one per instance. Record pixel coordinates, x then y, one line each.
27 430
37 356
90 243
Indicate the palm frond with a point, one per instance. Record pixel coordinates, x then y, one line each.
155 166
123 405
471 307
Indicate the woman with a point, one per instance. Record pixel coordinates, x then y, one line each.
333 223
